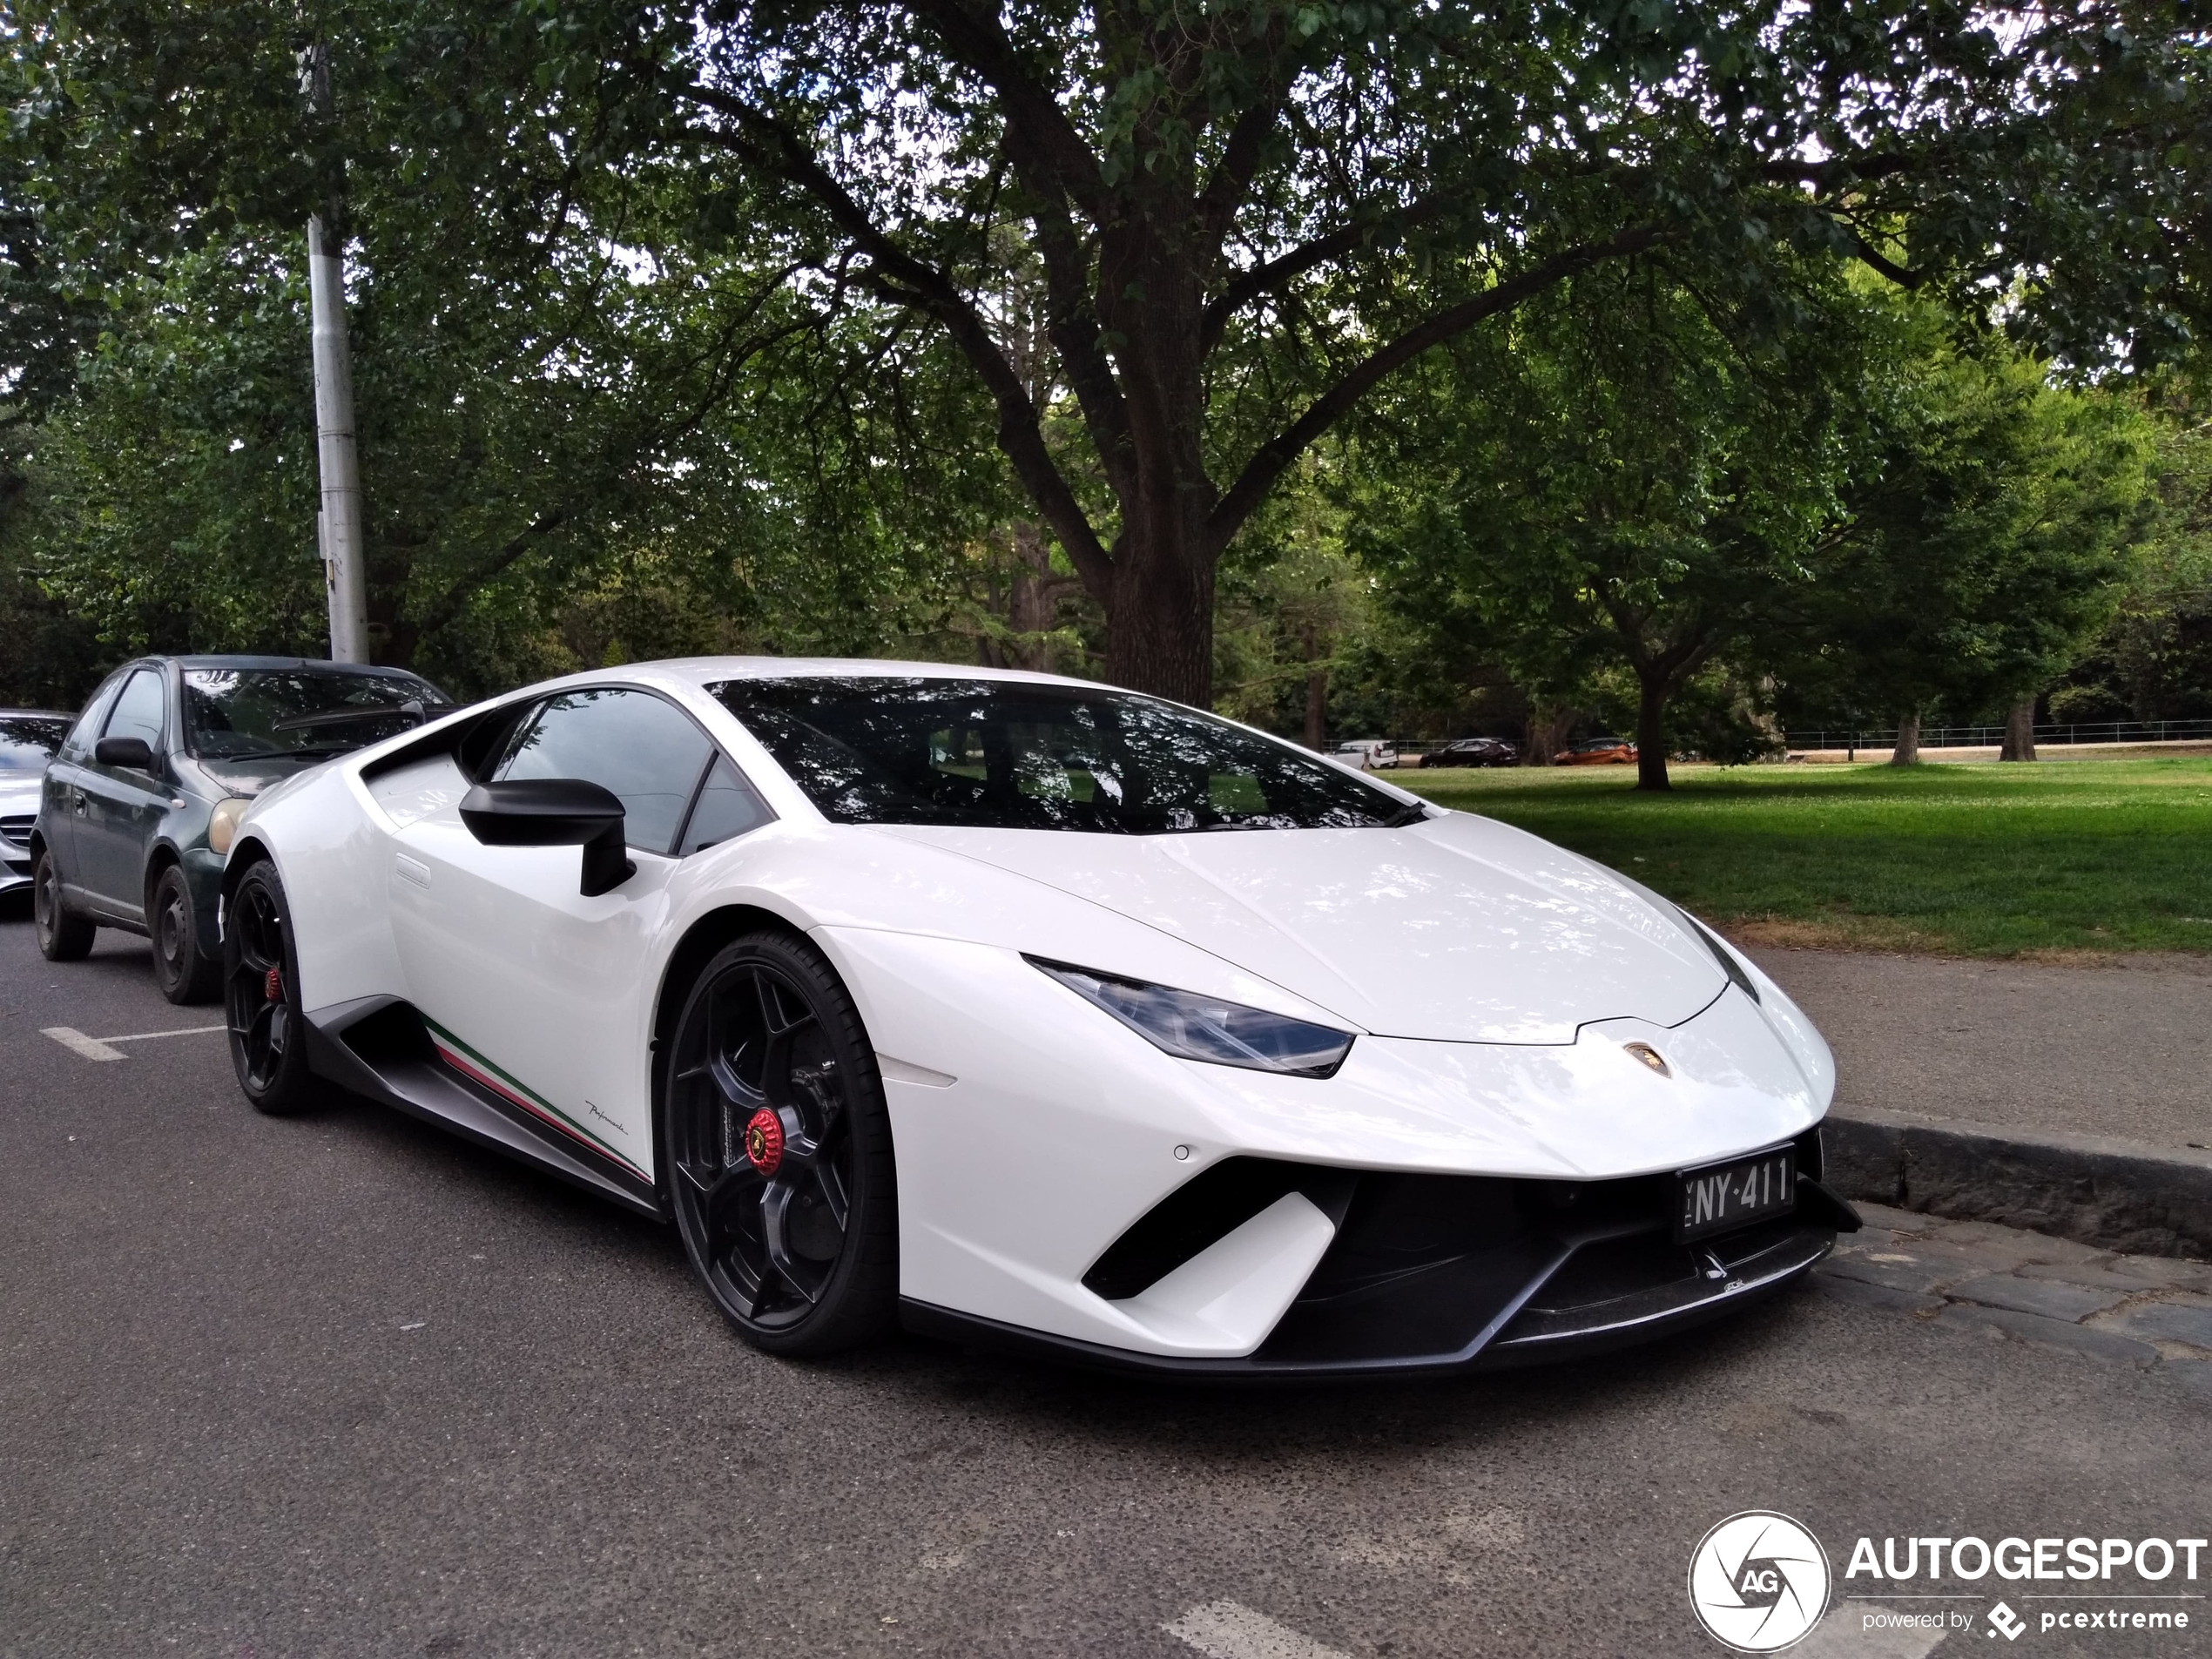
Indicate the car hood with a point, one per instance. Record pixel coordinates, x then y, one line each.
250 778
1458 929
19 793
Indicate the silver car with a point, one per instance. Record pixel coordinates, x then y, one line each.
28 740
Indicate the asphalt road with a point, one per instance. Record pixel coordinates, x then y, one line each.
344 1386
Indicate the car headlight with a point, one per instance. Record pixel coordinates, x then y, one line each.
222 823
1191 1027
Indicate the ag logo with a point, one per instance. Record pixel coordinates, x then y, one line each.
1758 1581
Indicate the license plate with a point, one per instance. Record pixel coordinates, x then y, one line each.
1721 1195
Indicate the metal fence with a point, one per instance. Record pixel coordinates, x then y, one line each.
1981 737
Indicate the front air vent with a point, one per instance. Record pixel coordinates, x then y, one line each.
1205 1210
15 828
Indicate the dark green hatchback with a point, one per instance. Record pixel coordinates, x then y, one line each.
138 806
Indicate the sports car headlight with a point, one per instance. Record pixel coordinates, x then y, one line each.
1191 1027
222 823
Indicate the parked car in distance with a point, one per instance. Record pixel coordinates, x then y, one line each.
139 803
1475 752
28 739
1369 754
1598 751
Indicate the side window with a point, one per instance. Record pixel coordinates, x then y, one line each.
644 750
137 711
726 809
81 736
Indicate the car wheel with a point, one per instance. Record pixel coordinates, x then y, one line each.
777 1144
64 936
184 972
262 996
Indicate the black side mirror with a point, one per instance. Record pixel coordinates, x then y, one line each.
132 753
555 812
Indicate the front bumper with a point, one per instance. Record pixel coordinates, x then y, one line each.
15 852
1428 1275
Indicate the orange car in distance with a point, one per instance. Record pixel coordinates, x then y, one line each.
1598 751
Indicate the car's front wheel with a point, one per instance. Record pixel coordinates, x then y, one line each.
261 995
184 971
776 1145
64 936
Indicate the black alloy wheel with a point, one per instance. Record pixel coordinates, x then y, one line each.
261 995
184 972
64 936
778 1148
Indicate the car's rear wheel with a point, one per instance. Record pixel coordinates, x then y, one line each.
262 996
64 936
185 972
776 1145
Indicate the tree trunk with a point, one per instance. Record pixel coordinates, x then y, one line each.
1908 740
1548 725
2020 729
1651 731
1159 621
1032 603
1316 696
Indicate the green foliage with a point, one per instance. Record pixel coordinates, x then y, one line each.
1631 476
2154 661
1988 531
670 309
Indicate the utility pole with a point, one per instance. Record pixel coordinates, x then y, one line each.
344 557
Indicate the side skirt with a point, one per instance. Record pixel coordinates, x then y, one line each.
379 1046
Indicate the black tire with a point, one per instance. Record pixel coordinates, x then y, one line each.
184 971
64 936
776 1145
262 996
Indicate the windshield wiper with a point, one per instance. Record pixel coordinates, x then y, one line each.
305 751
1412 812
413 709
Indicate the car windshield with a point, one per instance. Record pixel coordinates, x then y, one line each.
1005 755
236 714
28 742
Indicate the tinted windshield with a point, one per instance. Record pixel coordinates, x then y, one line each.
232 714
28 742
1005 755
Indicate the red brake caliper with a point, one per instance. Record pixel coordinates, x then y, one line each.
273 985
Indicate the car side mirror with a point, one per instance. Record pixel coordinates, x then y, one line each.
555 812
131 754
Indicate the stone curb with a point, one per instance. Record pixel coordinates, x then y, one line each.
2117 1194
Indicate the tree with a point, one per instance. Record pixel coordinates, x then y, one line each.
1248 215
1986 536
1642 479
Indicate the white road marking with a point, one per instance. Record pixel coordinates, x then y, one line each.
187 1031
1231 1631
78 1043
1844 1635
97 1048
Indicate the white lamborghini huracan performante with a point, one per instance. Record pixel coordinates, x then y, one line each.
1036 1013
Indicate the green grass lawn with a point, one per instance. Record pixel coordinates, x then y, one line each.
1974 859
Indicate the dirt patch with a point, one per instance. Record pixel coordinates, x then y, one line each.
1865 933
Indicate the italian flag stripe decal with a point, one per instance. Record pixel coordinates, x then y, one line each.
472 1066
